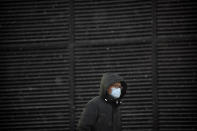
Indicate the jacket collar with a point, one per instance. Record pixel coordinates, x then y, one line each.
114 102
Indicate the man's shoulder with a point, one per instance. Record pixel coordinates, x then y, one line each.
95 100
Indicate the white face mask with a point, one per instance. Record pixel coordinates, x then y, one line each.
115 92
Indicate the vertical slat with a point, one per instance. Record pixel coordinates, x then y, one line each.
154 66
72 65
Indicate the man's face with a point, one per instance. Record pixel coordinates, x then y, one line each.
115 85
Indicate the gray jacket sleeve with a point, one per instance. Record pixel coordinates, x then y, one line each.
88 117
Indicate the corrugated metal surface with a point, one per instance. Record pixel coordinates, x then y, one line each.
51 49
109 19
33 22
177 90
177 59
176 18
34 89
133 62
34 65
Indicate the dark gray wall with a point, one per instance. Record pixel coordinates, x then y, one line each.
54 52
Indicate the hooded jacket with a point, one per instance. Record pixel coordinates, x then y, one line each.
102 113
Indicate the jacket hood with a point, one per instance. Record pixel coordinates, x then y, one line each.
107 80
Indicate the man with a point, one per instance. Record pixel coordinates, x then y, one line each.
102 113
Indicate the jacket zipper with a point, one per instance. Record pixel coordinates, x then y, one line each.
112 118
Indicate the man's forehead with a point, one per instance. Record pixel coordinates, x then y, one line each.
117 83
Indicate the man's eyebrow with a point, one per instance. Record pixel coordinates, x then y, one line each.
117 85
